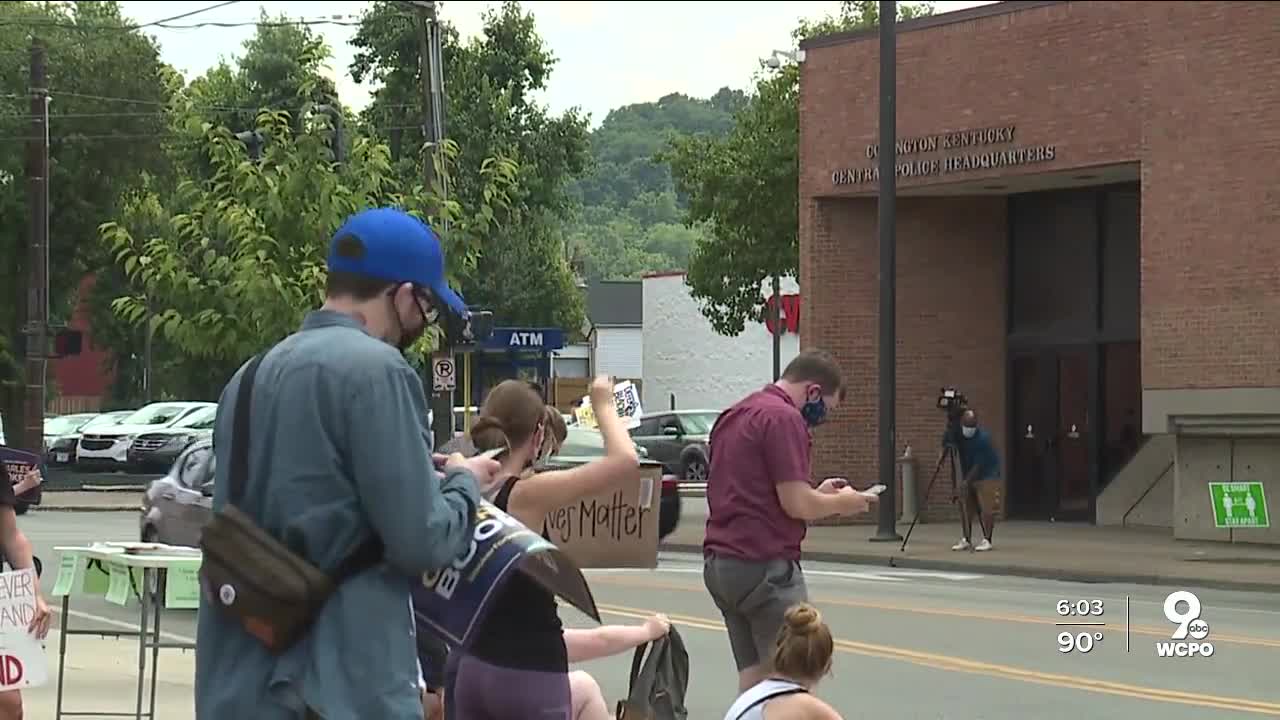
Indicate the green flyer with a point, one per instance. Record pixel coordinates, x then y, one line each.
118 590
182 588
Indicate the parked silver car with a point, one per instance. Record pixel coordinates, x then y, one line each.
176 507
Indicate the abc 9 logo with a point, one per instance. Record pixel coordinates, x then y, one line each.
1188 621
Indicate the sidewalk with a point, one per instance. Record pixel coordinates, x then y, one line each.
1059 551
102 677
90 501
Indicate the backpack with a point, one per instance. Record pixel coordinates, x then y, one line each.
659 681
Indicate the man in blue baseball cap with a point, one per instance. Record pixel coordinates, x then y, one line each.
388 256
340 460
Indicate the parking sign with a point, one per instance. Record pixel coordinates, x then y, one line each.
444 376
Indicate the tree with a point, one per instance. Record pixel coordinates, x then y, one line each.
490 83
232 263
745 186
106 82
280 68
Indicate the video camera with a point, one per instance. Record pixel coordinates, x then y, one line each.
953 403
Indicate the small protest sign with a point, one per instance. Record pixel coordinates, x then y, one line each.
18 463
626 400
453 602
617 528
22 658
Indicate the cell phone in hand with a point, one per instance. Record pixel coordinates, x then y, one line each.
494 453
873 490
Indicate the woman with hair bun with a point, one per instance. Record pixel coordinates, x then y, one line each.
801 658
518 665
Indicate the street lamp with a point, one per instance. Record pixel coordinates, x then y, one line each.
774 61
886 217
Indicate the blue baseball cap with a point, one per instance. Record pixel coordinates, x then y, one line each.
398 248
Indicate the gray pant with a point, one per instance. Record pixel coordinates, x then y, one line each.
753 597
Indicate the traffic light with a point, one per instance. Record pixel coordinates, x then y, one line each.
254 141
476 328
67 343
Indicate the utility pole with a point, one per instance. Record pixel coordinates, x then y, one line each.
37 326
777 326
146 354
431 76
887 531
426 17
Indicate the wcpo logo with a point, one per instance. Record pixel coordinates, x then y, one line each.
1189 625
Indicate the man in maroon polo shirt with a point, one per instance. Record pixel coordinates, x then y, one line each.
760 500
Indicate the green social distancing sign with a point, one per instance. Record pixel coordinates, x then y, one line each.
1239 505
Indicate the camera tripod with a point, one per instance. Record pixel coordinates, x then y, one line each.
948 458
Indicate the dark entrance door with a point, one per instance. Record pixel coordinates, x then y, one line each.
1049 474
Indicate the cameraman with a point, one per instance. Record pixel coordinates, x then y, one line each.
979 489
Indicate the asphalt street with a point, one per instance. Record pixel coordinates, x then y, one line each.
910 644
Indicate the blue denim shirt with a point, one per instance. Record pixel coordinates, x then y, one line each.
339 451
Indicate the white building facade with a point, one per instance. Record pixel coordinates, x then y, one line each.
688 364
616 328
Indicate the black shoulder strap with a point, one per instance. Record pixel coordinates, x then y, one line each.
240 433
504 495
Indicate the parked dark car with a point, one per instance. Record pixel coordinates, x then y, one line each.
108 448
678 439
157 450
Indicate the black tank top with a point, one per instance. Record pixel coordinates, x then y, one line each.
522 629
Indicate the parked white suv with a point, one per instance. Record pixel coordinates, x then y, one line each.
109 447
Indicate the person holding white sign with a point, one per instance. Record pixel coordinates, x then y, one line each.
520 647
18 556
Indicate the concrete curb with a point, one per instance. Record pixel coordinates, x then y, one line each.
1075 576
86 508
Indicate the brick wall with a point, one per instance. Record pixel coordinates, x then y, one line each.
950 324
1189 90
86 378
1067 74
1211 196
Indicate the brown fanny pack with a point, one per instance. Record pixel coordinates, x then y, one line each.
273 592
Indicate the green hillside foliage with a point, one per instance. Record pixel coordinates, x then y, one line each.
630 218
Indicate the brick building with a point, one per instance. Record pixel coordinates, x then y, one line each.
1088 244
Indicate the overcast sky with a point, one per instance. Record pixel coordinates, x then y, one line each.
610 53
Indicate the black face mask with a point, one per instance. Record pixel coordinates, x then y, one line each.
407 339
815 411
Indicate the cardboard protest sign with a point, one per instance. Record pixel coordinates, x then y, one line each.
22 658
453 602
614 529
626 398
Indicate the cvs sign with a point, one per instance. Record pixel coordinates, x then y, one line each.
789 314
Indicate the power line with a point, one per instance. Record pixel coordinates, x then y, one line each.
161 135
161 104
266 23
201 11
337 20
125 27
